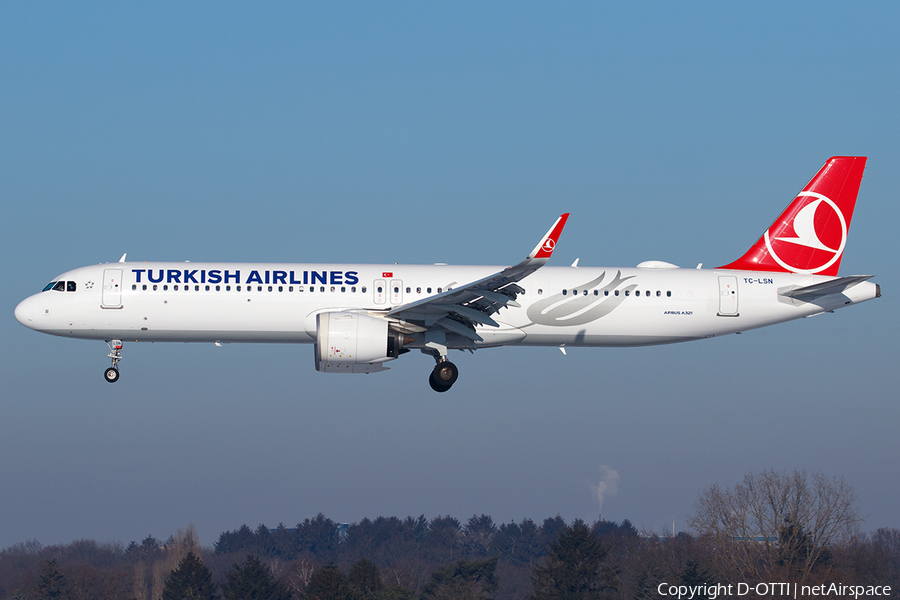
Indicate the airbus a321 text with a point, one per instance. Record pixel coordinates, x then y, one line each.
359 317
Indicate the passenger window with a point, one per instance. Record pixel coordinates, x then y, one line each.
332 288
343 289
70 286
259 288
154 287
280 288
617 292
428 290
627 293
668 294
300 289
585 292
418 290
218 288
353 289
237 288
144 287
175 287
596 292
606 292
165 288
133 286
658 293
207 288
363 289
227 288
439 290
379 289
565 292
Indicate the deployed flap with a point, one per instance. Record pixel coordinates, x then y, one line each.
835 286
460 309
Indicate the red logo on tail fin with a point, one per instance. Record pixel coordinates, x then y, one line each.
812 238
810 235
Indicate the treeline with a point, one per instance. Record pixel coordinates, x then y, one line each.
388 558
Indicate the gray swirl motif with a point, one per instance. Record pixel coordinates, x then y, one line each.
572 310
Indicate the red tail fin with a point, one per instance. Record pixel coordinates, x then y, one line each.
810 235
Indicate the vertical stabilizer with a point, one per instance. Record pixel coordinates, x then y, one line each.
810 235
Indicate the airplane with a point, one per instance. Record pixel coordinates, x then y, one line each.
359 317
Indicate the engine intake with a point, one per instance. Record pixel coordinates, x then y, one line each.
349 342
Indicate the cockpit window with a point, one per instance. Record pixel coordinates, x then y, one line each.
60 286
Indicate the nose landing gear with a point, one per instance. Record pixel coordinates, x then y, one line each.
115 353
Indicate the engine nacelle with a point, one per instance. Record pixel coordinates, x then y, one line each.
349 342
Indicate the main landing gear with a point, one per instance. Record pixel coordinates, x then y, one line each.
445 372
443 376
115 353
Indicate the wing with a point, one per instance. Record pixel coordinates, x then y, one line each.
460 309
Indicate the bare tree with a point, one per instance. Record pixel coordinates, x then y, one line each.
301 571
775 522
139 576
176 548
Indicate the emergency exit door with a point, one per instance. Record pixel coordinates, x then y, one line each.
379 291
396 291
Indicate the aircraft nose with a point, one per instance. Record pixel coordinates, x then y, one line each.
25 313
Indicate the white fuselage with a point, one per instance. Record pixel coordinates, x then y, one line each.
561 306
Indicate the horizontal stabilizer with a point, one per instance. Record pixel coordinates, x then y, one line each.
809 293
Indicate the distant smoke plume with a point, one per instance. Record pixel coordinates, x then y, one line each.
608 485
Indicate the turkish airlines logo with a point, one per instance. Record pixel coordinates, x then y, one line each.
549 245
813 240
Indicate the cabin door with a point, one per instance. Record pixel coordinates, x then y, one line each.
112 288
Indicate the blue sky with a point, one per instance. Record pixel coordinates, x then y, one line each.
416 133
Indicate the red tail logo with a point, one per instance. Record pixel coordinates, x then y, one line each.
810 235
